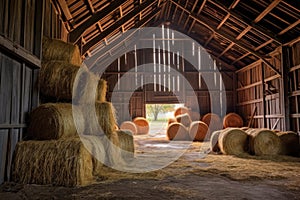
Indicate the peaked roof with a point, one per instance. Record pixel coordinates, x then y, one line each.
237 32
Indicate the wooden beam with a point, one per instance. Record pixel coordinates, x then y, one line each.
180 18
258 28
267 10
75 34
234 4
240 58
38 28
223 21
225 50
263 45
289 27
120 22
209 39
63 5
248 28
198 12
90 6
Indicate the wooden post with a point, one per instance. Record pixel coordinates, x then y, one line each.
38 28
263 94
285 66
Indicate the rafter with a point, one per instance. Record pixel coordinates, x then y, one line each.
234 4
199 11
90 6
263 45
75 34
223 21
209 39
267 10
225 50
240 58
289 27
121 21
63 5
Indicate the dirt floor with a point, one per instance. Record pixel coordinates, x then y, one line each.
195 175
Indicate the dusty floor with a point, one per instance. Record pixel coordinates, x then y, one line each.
192 176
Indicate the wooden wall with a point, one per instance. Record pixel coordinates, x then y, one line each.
23 23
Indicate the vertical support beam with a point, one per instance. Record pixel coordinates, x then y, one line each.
38 27
263 95
285 67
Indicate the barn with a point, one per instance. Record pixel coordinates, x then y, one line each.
80 81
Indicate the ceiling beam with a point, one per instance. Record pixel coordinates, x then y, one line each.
228 37
289 27
234 4
263 45
225 50
258 28
199 11
240 58
120 22
75 34
209 39
90 6
266 11
63 5
223 21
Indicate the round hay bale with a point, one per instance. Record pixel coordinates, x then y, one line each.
171 120
214 142
54 49
232 120
56 81
142 125
213 121
126 143
263 142
198 130
233 141
177 131
195 116
180 111
128 125
184 119
289 143
54 121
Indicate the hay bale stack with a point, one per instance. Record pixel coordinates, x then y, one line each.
53 121
171 120
57 80
177 131
232 120
63 162
126 143
54 49
214 142
263 142
289 143
198 130
233 141
142 125
213 121
180 111
128 125
195 116
184 119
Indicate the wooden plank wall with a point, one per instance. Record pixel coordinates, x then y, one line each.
259 91
294 87
23 23
176 93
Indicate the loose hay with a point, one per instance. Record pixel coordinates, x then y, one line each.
142 125
232 120
57 81
126 143
263 142
54 49
177 131
63 162
198 130
184 119
214 142
233 141
54 121
128 125
180 111
213 121
289 143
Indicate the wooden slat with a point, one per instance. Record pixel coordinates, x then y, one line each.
263 45
63 5
38 28
225 50
267 10
289 27
234 4
223 21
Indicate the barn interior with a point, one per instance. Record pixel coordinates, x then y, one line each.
68 66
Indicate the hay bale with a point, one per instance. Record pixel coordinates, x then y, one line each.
64 162
128 125
289 143
54 49
213 121
126 143
177 131
198 130
171 120
180 111
263 142
184 119
142 125
232 120
233 141
57 81
214 142
195 116
54 121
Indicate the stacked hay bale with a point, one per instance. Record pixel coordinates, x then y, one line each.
142 125
289 143
57 155
233 120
